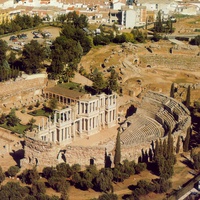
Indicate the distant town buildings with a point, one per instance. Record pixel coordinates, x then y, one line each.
127 13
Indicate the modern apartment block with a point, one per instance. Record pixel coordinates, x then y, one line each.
133 17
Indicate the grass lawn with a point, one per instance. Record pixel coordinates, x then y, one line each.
72 86
19 128
41 112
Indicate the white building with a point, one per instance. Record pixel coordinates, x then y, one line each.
188 9
117 5
134 17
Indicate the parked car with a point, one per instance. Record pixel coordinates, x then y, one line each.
13 37
22 36
16 48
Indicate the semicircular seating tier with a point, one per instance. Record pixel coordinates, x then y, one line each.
155 117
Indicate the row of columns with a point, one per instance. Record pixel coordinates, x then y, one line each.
63 116
111 116
60 98
111 100
59 135
87 108
89 124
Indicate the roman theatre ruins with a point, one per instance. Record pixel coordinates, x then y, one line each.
84 115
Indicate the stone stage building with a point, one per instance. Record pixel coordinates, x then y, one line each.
84 115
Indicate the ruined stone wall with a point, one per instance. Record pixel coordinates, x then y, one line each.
22 92
15 90
84 155
46 154
40 153
49 154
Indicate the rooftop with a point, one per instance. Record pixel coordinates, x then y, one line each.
65 92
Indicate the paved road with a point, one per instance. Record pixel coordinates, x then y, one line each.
171 36
192 191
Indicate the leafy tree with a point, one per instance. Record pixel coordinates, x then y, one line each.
58 183
64 195
36 20
156 37
29 176
64 170
140 167
2 176
13 191
76 179
61 18
3 50
139 36
64 52
12 58
129 37
104 179
13 170
38 187
85 179
77 21
196 40
30 197
12 119
129 167
54 198
101 40
108 196
68 31
117 157
31 123
48 172
53 103
33 55
98 82
3 118
120 38
162 185
75 168
112 81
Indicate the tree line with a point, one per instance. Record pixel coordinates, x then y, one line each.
20 22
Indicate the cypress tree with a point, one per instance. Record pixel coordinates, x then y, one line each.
172 90
161 148
165 148
187 141
178 144
158 25
150 155
169 145
187 102
156 151
117 157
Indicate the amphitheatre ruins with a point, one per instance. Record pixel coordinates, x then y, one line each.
146 72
